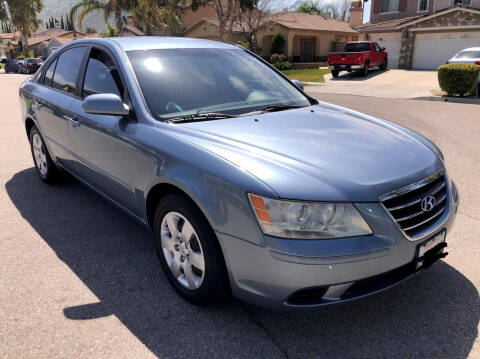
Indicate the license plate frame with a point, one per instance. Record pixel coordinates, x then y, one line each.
431 243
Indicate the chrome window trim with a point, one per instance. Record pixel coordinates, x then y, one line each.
443 219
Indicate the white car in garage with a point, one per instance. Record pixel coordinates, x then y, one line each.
468 56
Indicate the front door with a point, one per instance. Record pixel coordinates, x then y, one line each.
101 143
307 50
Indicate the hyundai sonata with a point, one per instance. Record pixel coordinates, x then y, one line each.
247 183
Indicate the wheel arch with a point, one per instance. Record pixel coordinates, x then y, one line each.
29 123
165 188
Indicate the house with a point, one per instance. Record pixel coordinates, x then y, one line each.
422 34
44 43
6 40
309 38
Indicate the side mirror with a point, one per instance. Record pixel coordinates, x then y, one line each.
105 104
382 49
298 84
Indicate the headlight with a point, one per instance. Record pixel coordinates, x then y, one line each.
307 220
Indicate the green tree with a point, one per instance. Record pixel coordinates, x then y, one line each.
278 44
311 7
22 15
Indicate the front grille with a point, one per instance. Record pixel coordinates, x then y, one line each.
405 205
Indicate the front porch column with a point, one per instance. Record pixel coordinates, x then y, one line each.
290 43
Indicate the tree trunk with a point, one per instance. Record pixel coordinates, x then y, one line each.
24 45
118 19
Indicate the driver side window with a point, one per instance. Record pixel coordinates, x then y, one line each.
102 75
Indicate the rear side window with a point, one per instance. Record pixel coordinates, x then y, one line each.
68 67
47 81
468 55
357 47
102 75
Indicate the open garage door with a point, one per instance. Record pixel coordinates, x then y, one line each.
391 41
432 50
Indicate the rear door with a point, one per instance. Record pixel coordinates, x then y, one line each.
102 143
53 98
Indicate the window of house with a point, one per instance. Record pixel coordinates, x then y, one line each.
390 5
102 75
49 74
68 67
462 2
423 5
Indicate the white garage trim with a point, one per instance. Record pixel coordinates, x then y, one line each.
463 27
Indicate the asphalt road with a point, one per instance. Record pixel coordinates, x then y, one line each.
80 279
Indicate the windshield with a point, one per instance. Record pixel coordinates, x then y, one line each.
468 55
184 82
357 47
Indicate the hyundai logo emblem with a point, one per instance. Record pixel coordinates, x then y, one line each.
428 203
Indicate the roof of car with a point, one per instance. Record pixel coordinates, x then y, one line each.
163 42
471 49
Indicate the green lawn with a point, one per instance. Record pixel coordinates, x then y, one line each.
314 75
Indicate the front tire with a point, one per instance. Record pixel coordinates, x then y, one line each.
189 252
335 73
384 66
46 169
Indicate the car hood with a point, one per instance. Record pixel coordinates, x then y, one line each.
322 152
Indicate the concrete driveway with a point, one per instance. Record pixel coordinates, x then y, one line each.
387 84
78 278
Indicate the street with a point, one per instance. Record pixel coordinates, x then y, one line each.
81 279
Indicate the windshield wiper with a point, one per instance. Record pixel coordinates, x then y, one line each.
273 108
200 117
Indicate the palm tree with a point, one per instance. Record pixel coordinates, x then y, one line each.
107 7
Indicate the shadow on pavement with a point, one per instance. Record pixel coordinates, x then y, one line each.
357 75
435 314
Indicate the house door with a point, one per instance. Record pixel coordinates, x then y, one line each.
307 50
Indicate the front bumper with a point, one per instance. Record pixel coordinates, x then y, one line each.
345 67
304 274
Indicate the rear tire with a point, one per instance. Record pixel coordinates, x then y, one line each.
384 66
335 73
189 252
46 169
365 69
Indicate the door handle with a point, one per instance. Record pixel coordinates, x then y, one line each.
73 120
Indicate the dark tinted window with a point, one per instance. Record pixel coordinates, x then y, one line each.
49 74
357 47
67 69
102 75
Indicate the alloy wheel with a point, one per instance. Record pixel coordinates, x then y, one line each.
39 154
182 250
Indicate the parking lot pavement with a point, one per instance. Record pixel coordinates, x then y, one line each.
394 83
78 278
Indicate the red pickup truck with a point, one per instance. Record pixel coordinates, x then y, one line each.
358 55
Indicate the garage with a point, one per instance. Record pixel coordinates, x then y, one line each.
433 49
391 42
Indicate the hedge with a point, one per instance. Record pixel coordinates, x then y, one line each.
458 79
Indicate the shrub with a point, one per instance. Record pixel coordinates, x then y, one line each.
278 44
278 58
458 79
283 65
